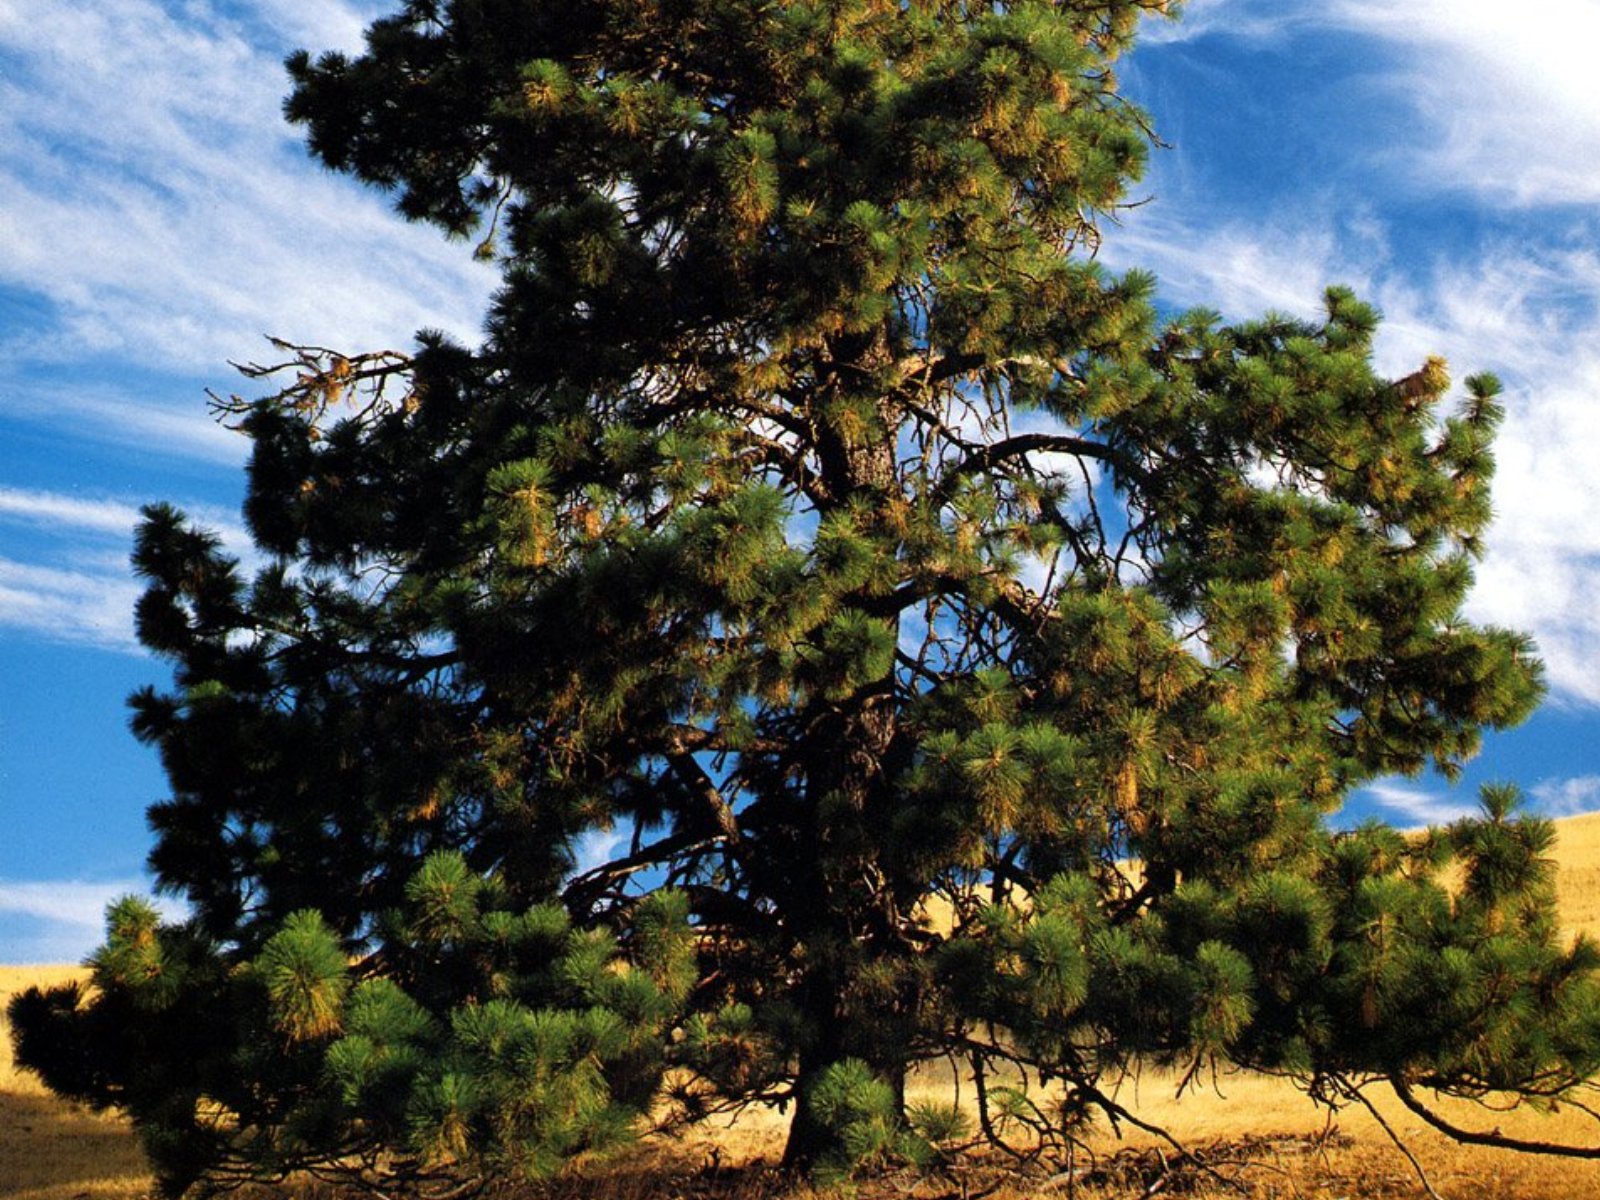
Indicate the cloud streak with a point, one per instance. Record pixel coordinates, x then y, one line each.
50 508
63 920
76 585
1411 806
153 199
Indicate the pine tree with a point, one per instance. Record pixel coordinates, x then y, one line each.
953 655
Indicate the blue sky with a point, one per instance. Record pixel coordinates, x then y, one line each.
157 219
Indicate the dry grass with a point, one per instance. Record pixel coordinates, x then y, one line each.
50 1150
1577 856
54 1151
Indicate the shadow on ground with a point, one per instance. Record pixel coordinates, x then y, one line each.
54 1151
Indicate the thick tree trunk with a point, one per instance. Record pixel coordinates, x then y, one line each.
848 743
809 1139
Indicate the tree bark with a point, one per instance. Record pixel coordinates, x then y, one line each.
848 743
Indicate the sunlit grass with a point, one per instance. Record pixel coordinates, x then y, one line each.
50 1150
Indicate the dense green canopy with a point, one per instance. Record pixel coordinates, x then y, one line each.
830 624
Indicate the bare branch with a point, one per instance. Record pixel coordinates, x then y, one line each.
1476 1138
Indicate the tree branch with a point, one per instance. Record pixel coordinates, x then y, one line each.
1354 1092
986 458
694 777
581 889
1475 1138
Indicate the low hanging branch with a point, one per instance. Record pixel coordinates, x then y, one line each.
1352 1091
1474 1137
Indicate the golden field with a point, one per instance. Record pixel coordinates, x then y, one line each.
54 1151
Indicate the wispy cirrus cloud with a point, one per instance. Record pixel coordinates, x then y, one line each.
52 508
88 514
1504 104
85 606
50 921
154 424
1411 805
152 197
66 576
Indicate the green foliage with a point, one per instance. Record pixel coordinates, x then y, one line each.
860 1111
830 624
302 971
312 1063
939 1123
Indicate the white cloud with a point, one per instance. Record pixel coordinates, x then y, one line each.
63 920
152 195
104 516
1567 797
1506 99
1411 805
599 846
1533 317
115 417
1255 19
93 607
1512 98
326 25
1238 268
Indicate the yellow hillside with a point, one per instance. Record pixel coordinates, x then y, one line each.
1578 859
53 1151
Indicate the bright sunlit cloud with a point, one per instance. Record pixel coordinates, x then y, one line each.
203 225
1510 93
1410 805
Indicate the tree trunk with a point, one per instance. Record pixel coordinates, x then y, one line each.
809 1139
847 744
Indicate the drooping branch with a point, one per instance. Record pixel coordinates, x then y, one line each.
1472 1137
1353 1091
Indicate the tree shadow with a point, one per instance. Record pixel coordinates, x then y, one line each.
53 1150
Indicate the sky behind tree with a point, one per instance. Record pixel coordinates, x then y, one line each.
158 219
